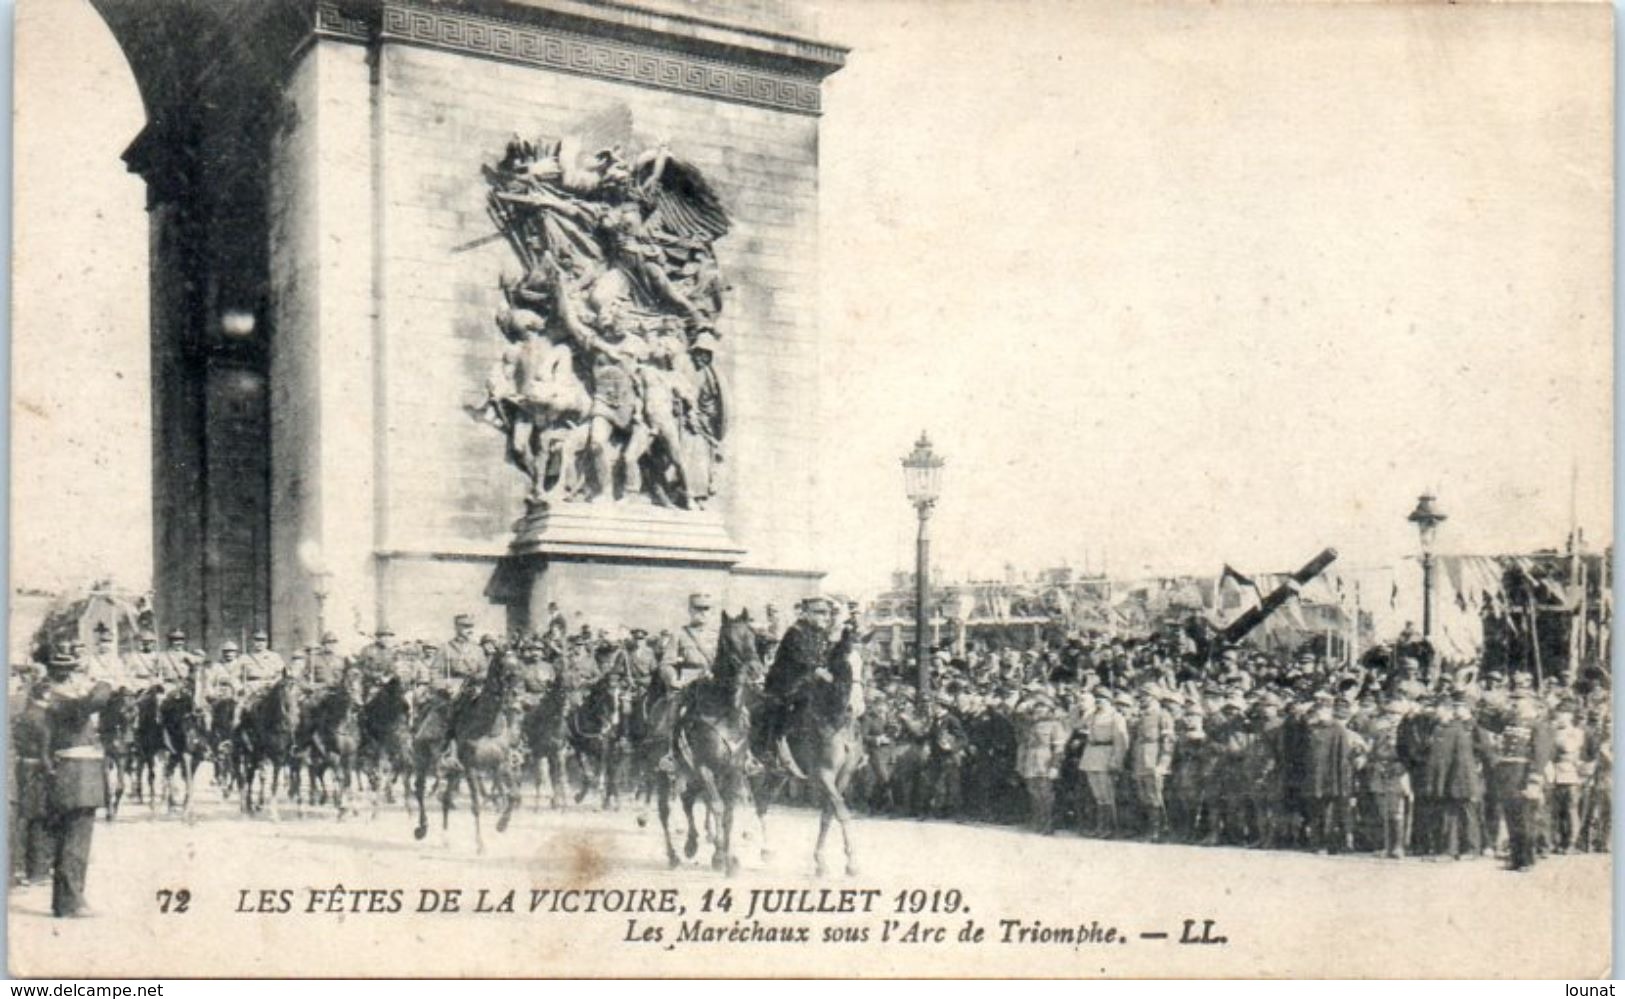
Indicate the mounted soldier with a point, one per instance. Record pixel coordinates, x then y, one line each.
377 661
141 666
261 666
326 664
801 661
105 665
688 654
174 665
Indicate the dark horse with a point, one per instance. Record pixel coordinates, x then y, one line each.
481 733
711 744
268 735
332 740
596 729
825 748
386 739
184 718
546 736
149 744
116 727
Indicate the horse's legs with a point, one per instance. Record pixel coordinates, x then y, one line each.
764 789
474 805
558 776
663 802
420 777
691 845
730 798
824 815
835 803
508 782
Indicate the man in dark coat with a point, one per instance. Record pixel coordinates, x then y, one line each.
31 844
76 785
803 653
1451 781
1333 762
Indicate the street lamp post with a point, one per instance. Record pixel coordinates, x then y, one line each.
320 586
922 480
1427 517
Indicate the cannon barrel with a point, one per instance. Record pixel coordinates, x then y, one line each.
1243 625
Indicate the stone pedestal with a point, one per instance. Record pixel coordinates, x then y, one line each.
615 564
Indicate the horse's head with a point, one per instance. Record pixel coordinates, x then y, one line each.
737 656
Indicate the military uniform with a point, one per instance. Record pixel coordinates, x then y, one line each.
1151 754
174 666
803 651
141 666
77 785
688 659
1389 782
29 790
1042 737
106 666
1102 759
459 660
326 667
261 669
1522 751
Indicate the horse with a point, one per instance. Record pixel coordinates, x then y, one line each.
826 750
222 746
332 740
481 734
149 744
185 721
116 728
711 744
596 730
386 738
545 732
268 734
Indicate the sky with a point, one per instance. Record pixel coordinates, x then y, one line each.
1170 285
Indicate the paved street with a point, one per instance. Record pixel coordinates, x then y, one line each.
1280 913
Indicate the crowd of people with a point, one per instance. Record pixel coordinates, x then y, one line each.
1103 736
1130 738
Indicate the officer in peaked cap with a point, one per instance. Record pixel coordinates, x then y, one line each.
692 646
75 786
462 658
261 661
174 664
326 664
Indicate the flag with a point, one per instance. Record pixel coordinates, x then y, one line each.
1241 580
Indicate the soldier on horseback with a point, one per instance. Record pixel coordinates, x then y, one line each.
173 666
686 658
801 662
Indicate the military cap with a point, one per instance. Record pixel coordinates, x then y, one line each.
1124 698
706 341
384 631
699 601
177 635
61 662
462 620
1324 697
229 646
260 636
328 638
146 636
102 628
